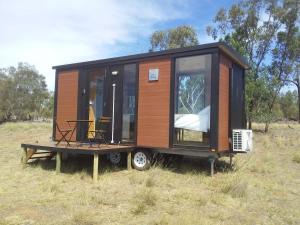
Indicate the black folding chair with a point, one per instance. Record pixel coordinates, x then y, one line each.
63 134
101 129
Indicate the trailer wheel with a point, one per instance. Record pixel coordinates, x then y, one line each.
115 158
141 160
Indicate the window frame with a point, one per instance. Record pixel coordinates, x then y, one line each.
213 141
134 64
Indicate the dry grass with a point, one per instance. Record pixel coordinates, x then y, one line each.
262 188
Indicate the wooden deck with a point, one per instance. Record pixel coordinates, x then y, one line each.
50 149
79 148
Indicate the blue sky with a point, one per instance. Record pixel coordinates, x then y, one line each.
54 32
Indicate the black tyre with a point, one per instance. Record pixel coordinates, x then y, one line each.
117 158
141 159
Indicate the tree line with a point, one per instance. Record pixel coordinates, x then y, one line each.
24 94
266 33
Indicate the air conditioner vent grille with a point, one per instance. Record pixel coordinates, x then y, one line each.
242 140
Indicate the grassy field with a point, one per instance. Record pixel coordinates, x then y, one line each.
262 188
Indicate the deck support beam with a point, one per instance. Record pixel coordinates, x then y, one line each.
129 167
58 162
95 167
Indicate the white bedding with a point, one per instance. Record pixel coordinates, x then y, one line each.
195 122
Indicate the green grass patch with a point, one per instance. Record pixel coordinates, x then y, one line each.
296 158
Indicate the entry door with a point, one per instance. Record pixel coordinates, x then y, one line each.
98 102
112 92
105 99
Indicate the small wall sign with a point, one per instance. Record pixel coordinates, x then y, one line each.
153 74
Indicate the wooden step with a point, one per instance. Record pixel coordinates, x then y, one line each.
39 156
34 154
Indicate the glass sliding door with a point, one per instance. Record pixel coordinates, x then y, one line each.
96 97
129 99
112 93
192 100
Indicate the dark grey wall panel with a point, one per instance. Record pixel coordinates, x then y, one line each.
237 99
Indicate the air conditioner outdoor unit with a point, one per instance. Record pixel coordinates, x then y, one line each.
241 140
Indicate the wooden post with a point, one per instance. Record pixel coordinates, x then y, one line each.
95 168
58 162
129 167
24 157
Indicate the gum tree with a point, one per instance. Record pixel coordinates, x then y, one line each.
181 36
285 54
252 28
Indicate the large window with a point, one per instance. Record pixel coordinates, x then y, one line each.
192 100
129 93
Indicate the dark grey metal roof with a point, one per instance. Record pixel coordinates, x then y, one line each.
221 45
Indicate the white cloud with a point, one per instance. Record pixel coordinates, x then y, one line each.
47 33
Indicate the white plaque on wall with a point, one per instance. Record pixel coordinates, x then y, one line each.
153 74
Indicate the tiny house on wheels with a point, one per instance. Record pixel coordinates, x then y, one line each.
185 101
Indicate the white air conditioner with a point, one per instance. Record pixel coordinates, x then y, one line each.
241 140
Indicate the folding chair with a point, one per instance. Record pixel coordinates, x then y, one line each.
100 133
63 134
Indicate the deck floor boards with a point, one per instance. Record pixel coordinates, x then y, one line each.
80 148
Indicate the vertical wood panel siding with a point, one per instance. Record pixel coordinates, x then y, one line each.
154 105
223 135
67 93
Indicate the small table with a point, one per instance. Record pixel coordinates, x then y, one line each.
76 122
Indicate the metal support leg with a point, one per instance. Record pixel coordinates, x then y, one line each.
58 162
230 160
212 166
129 167
95 167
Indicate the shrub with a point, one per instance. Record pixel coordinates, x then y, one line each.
145 198
236 188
